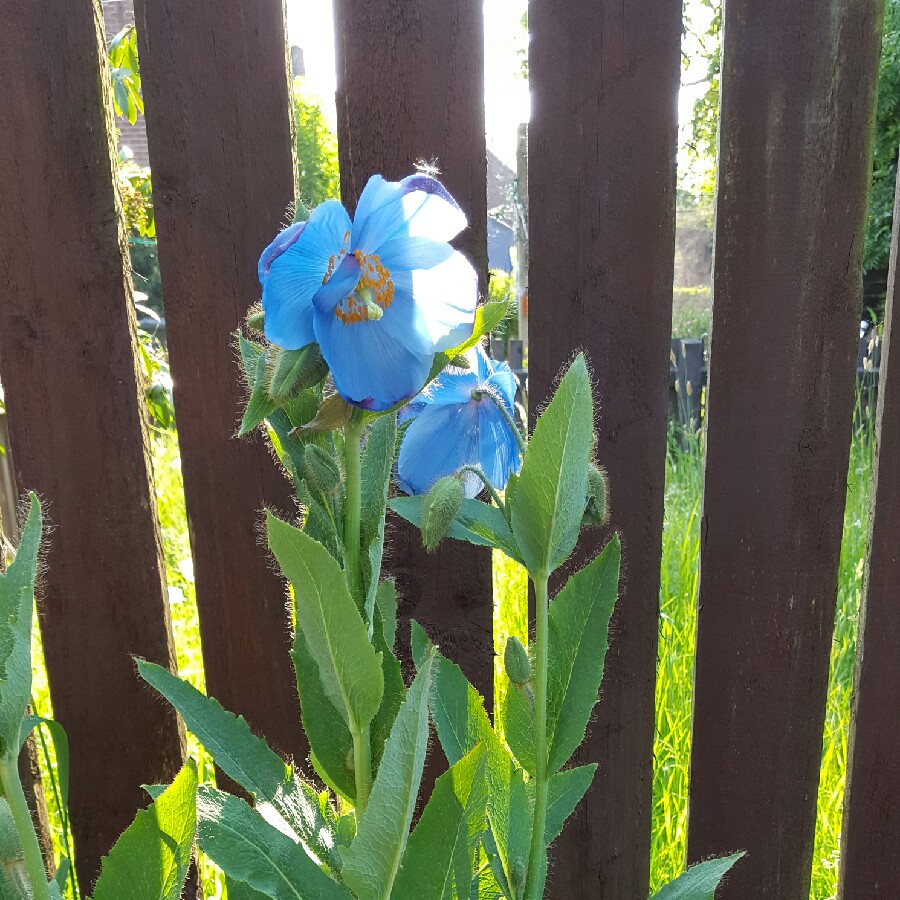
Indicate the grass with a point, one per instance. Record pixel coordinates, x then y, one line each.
679 579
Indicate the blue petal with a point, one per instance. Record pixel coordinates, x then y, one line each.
503 383
452 386
296 274
441 440
498 450
408 253
447 295
282 241
370 365
418 206
339 286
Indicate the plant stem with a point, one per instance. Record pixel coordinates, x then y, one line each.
490 488
533 887
18 805
362 751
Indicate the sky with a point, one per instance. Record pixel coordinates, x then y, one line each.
310 26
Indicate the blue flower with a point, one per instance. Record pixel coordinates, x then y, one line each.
457 423
381 295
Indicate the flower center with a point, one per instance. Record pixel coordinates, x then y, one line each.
373 294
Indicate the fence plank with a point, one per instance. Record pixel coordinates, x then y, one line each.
602 146
218 126
75 419
411 88
798 88
870 847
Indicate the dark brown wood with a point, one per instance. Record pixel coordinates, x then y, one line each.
601 212
218 124
411 88
870 843
76 421
798 92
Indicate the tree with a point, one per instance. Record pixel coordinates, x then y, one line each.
318 178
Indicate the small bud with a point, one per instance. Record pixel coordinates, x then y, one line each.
256 320
301 211
516 661
595 512
320 470
439 509
460 362
517 875
290 371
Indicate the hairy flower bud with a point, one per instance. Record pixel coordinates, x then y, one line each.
290 371
439 509
256 320
320 470
596 511
516 662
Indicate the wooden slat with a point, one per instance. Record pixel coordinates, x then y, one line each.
75 418
411 88
218 125
602 146
870 845
798 88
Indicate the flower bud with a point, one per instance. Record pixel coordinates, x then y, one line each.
516 662
517 875
439 509
596 512
320 470
256 320
289 371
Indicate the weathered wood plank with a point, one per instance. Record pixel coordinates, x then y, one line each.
602 146
870 844
798 92
218 126
76 421
411 88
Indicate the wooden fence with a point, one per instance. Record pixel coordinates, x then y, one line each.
798 89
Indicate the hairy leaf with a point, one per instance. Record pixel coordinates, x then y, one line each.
552 488
700 881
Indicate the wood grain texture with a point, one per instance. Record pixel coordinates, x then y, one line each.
798 92
76 420
411 88
602 144
218 125
870 844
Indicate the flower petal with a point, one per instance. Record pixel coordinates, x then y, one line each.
282 241
339 286
296 274
440 441
408 253
370 365
498 450
447 295
418 206
452 386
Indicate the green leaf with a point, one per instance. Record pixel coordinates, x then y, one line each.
440 860
579 633
372 861
290 371
394 692
260 405
476 523
552 488
329 737
151 858
14 881
335 633
247 848
518 723
246 759
487 318
240 890
564 793
16 613
699 882
386 606
60 747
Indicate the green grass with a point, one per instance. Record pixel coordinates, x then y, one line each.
679 578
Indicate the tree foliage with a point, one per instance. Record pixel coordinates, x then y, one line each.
317 160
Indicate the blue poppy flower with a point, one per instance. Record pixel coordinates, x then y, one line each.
381 294
457 423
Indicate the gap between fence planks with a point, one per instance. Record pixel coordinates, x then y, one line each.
411 89
798 93
870 843
218 126
76 421
602 145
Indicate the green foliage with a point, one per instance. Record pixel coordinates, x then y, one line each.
125 74
502 289
16 615
318 177
700 881
151 858
372 861
248 849
552 487
440 507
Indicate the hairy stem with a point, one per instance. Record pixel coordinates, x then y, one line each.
18 805
362 752
533 886
484 480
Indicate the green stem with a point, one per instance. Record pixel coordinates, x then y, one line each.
18 805
533 887
491 490
362 751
